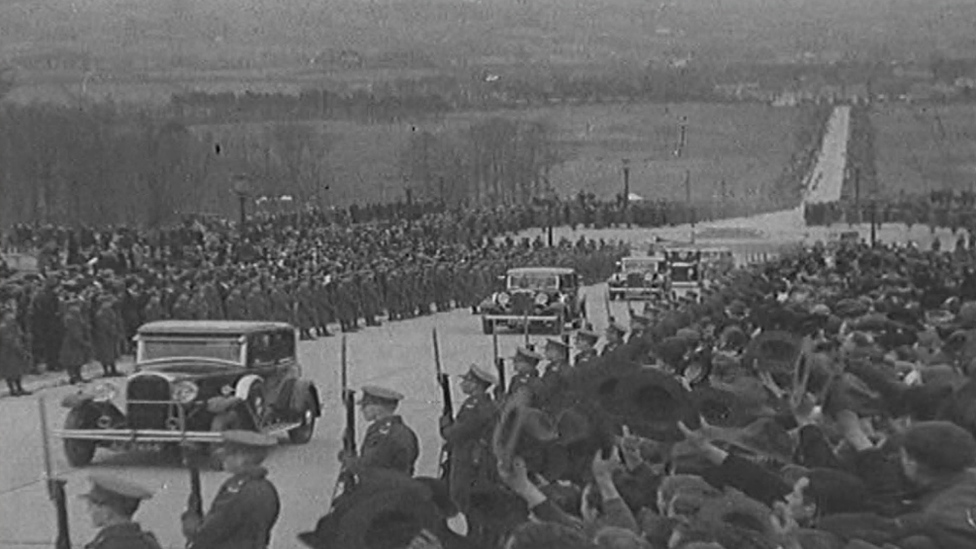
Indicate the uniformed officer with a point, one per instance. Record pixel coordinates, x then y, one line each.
557 355
615 338
638 324
468 435
389 443
112 502
586 343
526 378
246 506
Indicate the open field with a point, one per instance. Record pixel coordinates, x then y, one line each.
921 148
746 146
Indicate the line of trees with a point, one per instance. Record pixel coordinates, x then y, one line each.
495 161
861 175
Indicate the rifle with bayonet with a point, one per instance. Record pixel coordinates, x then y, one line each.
447 411
55 486
499 366
346 478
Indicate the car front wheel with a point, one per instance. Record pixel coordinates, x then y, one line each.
78 452
303 433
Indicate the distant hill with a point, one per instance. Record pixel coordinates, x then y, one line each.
138 36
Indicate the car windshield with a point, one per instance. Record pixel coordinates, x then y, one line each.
684 273
533 281
221 349
639 265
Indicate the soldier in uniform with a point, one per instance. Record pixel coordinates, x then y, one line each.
76 348
112 502
557 355
526 379
586 344
14 359
468 436
389 443
236 305
106 336
615 338
246 506
638 324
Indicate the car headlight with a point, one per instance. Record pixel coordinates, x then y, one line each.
649 277
503 299
184 392
104 392
541 298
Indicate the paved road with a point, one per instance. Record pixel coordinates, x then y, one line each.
398 355
827 178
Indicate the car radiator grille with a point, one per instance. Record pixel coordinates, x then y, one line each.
144 415
635 279
523 303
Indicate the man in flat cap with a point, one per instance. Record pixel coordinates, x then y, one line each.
586 343
615 338
389 443
469 438
246 506
112 502
526 379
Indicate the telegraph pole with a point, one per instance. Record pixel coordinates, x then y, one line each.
682 140
626 203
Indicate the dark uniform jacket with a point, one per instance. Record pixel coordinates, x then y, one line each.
584 356
14 360
389 444
242 514
127 535
609 348
468 440
527 382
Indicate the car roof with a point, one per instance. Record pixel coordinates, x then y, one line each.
542 270
214 327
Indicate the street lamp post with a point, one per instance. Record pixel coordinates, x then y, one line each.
242 188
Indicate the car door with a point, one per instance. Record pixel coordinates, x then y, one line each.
266 359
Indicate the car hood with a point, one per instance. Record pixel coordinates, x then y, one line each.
188 368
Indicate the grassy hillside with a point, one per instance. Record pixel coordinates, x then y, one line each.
923 148
746 146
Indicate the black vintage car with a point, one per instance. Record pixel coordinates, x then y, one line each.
639 277
536 295
194 379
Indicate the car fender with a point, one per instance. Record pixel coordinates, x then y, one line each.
304 390
243 387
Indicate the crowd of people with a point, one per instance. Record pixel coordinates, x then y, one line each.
824 400
95 288
943 209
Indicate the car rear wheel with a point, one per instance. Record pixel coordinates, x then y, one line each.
79 452
487 326
303 433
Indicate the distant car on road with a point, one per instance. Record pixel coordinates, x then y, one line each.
538 295
194 379
639 277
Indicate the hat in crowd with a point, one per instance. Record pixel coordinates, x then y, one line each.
941 446
719 407
736 510
373 394
247 439
385 510
116 492
558 344
640 319
527 355
588 335
651 403
479 373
